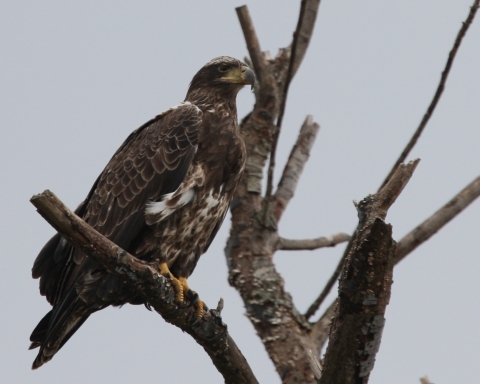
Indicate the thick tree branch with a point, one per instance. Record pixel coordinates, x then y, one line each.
398 185
364 290
253 239
405 246
311 244
210 332
429 227
295 164
439 91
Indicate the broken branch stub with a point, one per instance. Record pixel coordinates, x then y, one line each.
364 289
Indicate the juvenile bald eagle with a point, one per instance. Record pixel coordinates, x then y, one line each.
163 195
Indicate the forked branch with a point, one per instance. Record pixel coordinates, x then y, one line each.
210 332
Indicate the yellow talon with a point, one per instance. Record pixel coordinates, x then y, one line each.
199 304
181 288
183 281
199 308
177 284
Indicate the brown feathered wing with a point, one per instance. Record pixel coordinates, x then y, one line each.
152 162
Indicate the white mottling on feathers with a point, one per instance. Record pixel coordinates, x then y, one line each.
211 201
211 110
162 209
188 233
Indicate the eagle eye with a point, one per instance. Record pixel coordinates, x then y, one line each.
223 68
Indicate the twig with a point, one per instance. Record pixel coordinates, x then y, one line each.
364 289
305 34
326 290
311 244
295 164
425 380
211 333
439 91
429 227
253 44
321 329
315 365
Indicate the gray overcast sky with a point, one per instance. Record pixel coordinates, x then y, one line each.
77 77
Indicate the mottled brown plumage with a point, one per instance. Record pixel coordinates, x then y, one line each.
163 195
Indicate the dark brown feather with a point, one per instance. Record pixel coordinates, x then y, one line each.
188 159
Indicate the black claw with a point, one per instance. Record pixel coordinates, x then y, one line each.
197 320
193 296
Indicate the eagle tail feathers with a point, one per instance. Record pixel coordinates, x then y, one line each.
58 326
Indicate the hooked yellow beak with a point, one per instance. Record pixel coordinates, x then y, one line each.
242 75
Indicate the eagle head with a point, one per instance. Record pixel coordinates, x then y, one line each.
224 74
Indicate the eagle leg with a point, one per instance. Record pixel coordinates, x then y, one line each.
199 305
177 285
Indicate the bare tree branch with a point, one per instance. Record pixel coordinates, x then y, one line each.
295 164
210 332
311 244
423 123
304 32
308 14
439 91
321 329
402 249
314 365
405 246
429 227
392 189
253 44
253 240
398 185
364 290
